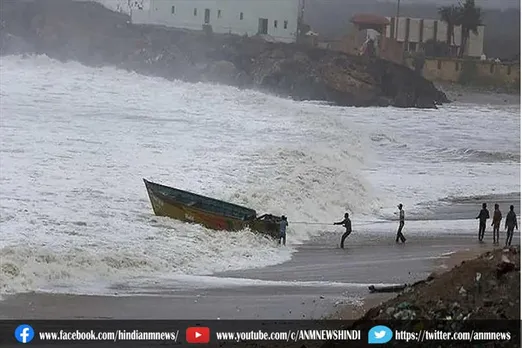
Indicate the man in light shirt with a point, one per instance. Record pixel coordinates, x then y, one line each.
401 225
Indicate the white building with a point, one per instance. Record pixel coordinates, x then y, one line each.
415 31
276 20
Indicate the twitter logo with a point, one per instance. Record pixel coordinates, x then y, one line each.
379 334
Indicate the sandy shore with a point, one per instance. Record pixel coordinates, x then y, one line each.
318 281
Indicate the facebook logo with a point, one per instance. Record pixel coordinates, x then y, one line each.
24 333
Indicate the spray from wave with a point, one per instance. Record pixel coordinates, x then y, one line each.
74 212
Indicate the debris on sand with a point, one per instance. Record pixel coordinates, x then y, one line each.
487 287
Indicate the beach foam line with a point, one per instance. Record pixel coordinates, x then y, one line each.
170 285
192 281
452 252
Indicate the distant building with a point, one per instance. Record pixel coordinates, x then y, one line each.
274 20
413 32
368 30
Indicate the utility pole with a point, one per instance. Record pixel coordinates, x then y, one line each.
300 20
397 19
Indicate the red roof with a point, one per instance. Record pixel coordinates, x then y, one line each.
370 19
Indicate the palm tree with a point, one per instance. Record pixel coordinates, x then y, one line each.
470 18
450 15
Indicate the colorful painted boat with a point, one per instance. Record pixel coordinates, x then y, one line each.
209 212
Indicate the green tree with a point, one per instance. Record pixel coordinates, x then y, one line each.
433 48
450 15
469 18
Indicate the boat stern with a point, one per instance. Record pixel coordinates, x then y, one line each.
267 224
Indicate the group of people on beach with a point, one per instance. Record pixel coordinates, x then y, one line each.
510 224
347 223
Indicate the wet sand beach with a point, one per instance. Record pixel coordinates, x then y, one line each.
285 291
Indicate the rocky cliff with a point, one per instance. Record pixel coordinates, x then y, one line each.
93 35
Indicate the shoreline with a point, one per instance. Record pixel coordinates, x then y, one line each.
319 281
343 277
374 300
457 93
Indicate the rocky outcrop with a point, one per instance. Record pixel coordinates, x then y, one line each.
472 296
93 35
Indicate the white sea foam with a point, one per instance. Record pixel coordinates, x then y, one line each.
77 141
172 284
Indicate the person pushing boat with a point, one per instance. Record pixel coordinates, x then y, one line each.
282 229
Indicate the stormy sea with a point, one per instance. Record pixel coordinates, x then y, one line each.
77 141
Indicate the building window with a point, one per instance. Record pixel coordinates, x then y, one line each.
509 70
275 24
195 12
439 64
241 16
492 68
173 9
456 66
219 13
285 24
412 46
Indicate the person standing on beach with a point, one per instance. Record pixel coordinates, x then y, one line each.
497 217
347 223
482 216
401 225
511 224
282 229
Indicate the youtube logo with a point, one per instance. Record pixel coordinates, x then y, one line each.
197 334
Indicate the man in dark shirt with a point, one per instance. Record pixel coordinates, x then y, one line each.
511 224
347 223
282 229
497 218
482 216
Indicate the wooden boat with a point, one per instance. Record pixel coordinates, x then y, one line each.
209 212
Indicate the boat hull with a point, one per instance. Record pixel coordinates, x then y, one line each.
166 205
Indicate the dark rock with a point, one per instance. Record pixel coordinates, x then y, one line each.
222 71
505 266
11 44
487 302
404 305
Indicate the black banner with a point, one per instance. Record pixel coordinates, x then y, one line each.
260 333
